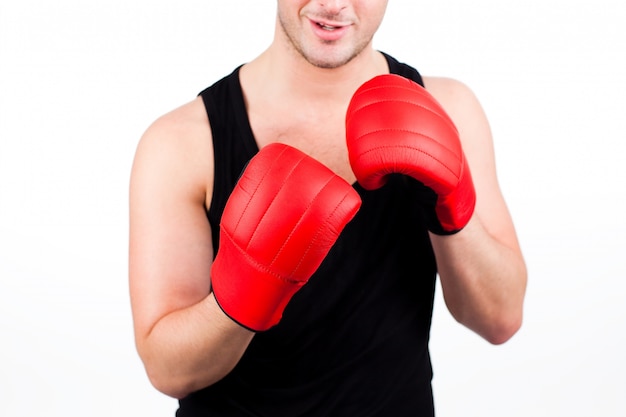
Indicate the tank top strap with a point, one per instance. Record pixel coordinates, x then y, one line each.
233 142
399 68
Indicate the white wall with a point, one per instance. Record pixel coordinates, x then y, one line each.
80 81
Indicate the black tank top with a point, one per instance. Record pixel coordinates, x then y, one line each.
354 340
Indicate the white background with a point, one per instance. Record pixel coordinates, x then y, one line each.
80 81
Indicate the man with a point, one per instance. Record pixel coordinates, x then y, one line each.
326 315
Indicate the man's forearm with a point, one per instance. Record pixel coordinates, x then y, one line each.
483 281
192 348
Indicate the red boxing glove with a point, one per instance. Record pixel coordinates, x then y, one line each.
394 126
282 218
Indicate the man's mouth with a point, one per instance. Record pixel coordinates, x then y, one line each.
327 27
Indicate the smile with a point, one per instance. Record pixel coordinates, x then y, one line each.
329 31
326 27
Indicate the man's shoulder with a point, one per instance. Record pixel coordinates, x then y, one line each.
182 126
178 144
454 95
434 82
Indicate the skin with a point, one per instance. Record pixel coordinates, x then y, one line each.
184 339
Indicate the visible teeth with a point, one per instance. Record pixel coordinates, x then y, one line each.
326 27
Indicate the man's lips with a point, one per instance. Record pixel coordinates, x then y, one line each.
329 31
328 26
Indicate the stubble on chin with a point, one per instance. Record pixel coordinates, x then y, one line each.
329 63
318 58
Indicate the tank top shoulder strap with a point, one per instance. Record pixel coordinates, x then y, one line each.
399 68
233 141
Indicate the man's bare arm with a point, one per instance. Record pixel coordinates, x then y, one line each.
482 270
184 339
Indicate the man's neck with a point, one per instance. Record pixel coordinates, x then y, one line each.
287 71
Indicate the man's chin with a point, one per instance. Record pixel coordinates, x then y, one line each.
328 61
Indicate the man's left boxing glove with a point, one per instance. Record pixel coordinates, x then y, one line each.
284 215
394 126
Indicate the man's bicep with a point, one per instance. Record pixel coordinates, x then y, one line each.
476 137
171 252
478 143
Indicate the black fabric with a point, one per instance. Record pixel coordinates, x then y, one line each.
354 340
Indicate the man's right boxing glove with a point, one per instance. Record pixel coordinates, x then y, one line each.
394 126
285 213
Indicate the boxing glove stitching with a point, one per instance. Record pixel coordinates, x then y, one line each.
436 112
322 227
362 154
246 255
268 268
298 223
271 203
254 192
